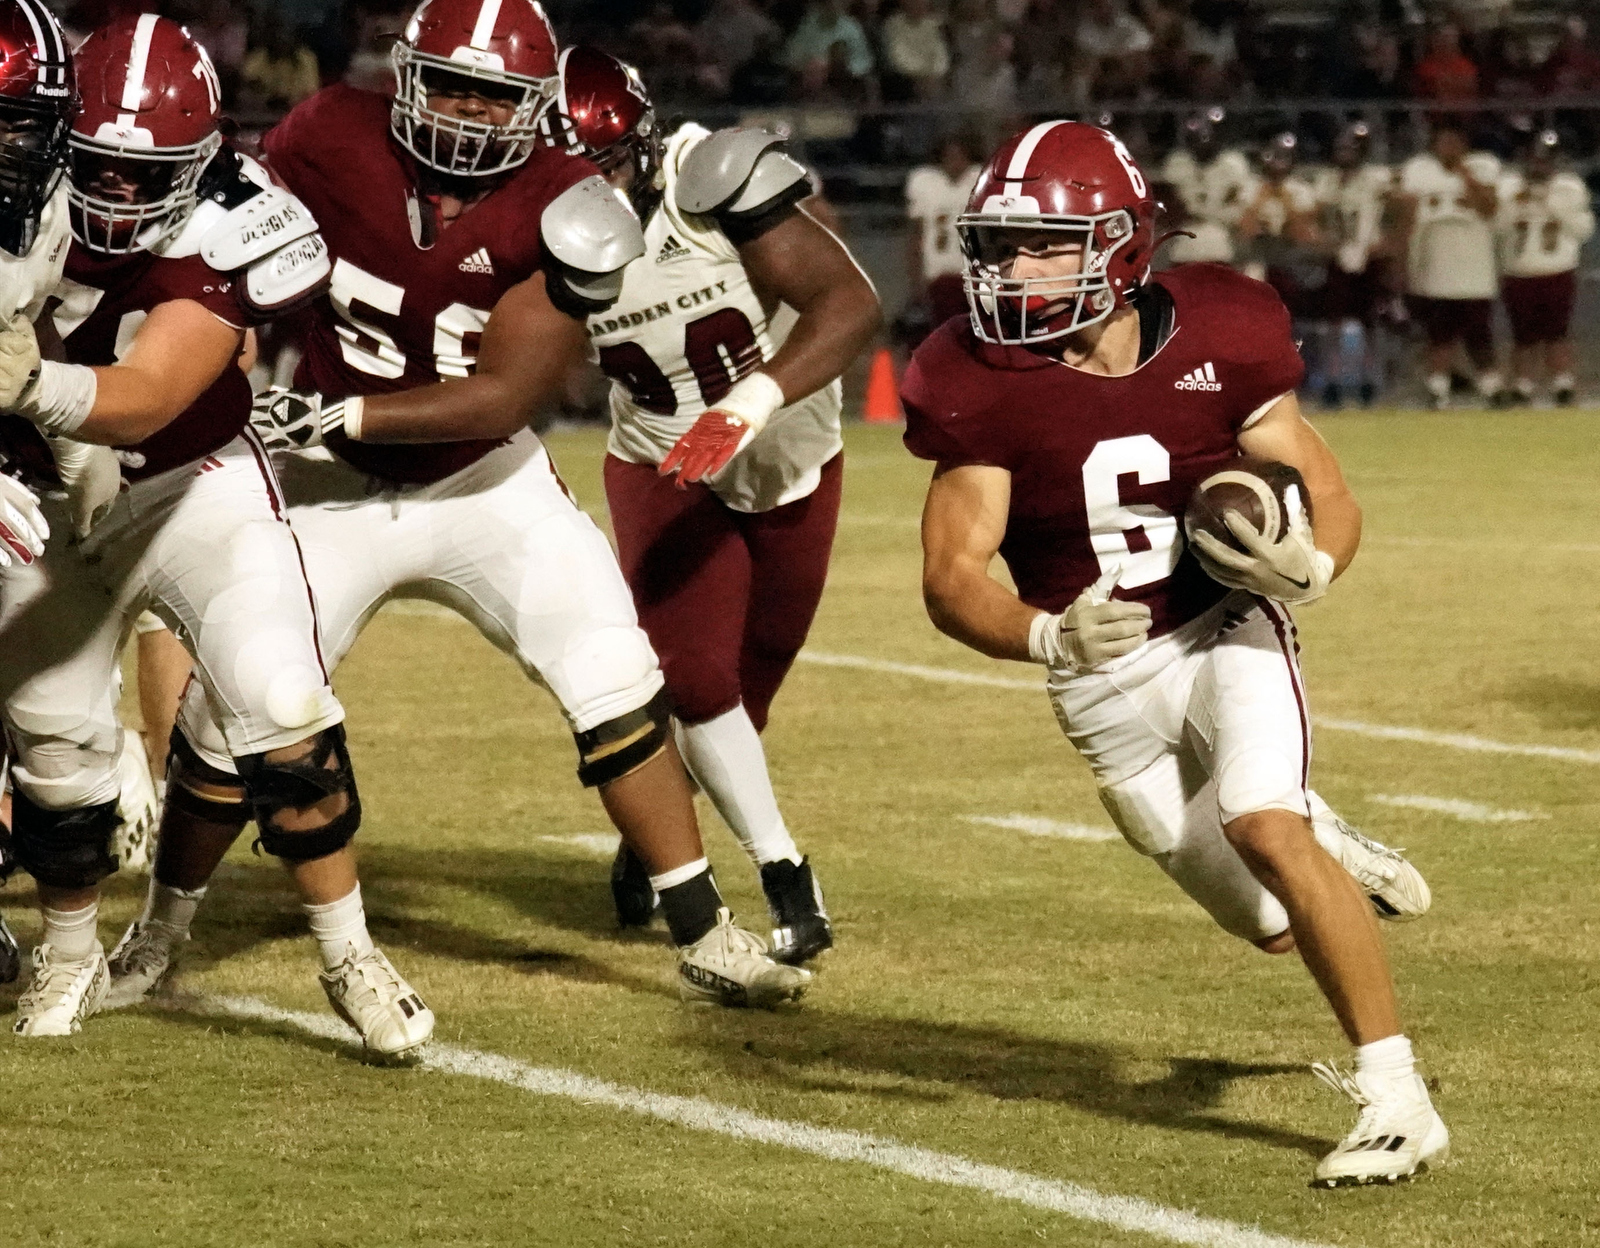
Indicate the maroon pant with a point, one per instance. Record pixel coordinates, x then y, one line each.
1539 308
726 596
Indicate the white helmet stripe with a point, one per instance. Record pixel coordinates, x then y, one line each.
488 15
561 79
1018 168
138 62
47 38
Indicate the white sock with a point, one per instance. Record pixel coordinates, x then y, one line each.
73 934
338 925
1525 387
1563 381
1439 385
725 757
171 908
1324 824
679 875
1389 1058
1489 384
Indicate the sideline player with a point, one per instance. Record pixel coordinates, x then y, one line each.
467 255
1070 419
178 249
727 557
1352 195
1543 222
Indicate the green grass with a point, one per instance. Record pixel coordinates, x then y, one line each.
1054 1007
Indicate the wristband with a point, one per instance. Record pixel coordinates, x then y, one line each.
752 400
60 397
1040 634
352 417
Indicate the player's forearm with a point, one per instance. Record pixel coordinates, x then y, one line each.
1336 526
467 408
130 405
829 334
977 611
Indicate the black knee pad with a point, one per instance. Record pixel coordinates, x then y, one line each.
64 848
274 787
8 859
613 749
185 765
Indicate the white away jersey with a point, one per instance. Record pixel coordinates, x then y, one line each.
1352 204
687 326
935 201
1214 191
27 281
1451 253
1542 225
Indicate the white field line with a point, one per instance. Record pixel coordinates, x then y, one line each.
601 844
1033 825
1125 1213
1471 812
1383 732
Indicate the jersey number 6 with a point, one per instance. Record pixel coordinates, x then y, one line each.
1142 538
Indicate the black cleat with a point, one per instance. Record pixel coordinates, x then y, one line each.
1332 396
636 901
801 927
10 955
1369 393
1565 397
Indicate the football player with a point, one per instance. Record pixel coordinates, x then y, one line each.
725 459
1543 221
467 256
1070 420
180 245
1212 182
1352 195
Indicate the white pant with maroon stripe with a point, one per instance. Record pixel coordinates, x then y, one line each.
500 542
1190 732
207 548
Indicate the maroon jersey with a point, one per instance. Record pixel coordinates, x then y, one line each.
400 315
104 301
1103 467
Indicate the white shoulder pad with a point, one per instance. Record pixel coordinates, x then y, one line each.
735 169
255 229
293 273
590 227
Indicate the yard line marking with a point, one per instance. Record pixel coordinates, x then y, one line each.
1125 1213
603 844
1383 732
1033 825
1471 812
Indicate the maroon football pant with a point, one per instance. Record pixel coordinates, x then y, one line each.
726 596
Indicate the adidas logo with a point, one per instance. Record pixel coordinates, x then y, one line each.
1203 378
478 262
672 249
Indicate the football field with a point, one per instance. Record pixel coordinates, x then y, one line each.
1026 1032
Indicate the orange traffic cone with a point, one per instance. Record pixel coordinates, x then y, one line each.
883 392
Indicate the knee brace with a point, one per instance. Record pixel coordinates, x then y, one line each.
272 788
185 768
64 848
611 750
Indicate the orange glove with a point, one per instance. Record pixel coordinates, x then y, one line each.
723 431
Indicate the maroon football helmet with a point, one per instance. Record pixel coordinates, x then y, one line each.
1066 177
502 49
604 112
148 129
38 100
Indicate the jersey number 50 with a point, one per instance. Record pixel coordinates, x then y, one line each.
370 310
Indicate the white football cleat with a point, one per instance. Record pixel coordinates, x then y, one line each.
1398 1134
730 966
143 961
1395 888
138 806
61 994
367 992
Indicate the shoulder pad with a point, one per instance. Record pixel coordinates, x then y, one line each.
270 219
730 169
291 274
588 227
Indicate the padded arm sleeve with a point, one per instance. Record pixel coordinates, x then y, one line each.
272 238
590 235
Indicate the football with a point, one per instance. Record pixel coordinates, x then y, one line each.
1258 489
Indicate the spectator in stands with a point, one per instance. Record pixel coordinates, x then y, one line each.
731 33
1115 47
1543 220
1447 201
763 80
375 33
809 49
916 56
1047 50
280 71
664 50
1446 73
936 195
221 29
1572 68
987 82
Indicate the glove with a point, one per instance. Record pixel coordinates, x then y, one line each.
1094 629
22 525
295 420
19 359
91 477
1291 570
723 431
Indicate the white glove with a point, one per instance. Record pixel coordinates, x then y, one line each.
1094 629
1291 570
22 525
91 476
293 420
19 359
